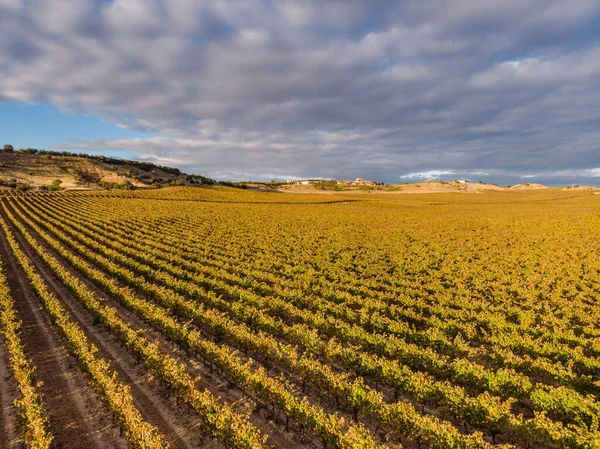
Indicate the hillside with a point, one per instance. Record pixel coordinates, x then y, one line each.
32 169
41 170
413 187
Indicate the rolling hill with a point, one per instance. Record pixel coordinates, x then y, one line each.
42 170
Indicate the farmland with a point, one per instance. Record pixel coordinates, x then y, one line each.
216 317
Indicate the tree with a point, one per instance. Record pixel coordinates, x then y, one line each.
8 148
480 181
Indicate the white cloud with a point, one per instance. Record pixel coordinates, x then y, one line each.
566 174
428 175
301 87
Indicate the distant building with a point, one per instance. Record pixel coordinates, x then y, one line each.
339 182
303 182
363 182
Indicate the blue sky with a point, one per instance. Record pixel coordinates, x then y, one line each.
45 126
503 90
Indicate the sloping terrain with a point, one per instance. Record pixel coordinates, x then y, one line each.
412 187
42 170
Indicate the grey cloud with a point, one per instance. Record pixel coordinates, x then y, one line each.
305 88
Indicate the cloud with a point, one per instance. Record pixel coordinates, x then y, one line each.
306 88
429 175
567 174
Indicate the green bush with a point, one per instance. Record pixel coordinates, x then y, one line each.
327 185
55 185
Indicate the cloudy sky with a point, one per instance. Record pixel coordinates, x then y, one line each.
502 90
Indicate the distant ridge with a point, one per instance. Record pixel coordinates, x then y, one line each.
458 186
30 168
528 186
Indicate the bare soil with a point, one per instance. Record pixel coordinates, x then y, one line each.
528 186
261 417
41 170
120 179
173 421
10 437
77 416
210 379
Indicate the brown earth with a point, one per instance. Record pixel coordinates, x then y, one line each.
153 401
78 419
74 172
261 417
42 170
10 437
120 179
528 186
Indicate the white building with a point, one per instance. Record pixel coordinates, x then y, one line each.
303 182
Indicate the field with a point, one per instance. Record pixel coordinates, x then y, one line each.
214 317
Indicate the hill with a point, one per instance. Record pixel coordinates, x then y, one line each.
47 170
412 187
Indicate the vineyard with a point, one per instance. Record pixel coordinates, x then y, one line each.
224 318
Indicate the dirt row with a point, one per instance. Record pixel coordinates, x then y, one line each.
9 435
173 421
77 416
315 395
182 423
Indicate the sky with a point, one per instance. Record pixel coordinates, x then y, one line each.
505 91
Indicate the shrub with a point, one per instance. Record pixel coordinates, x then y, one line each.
55 185
327 185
